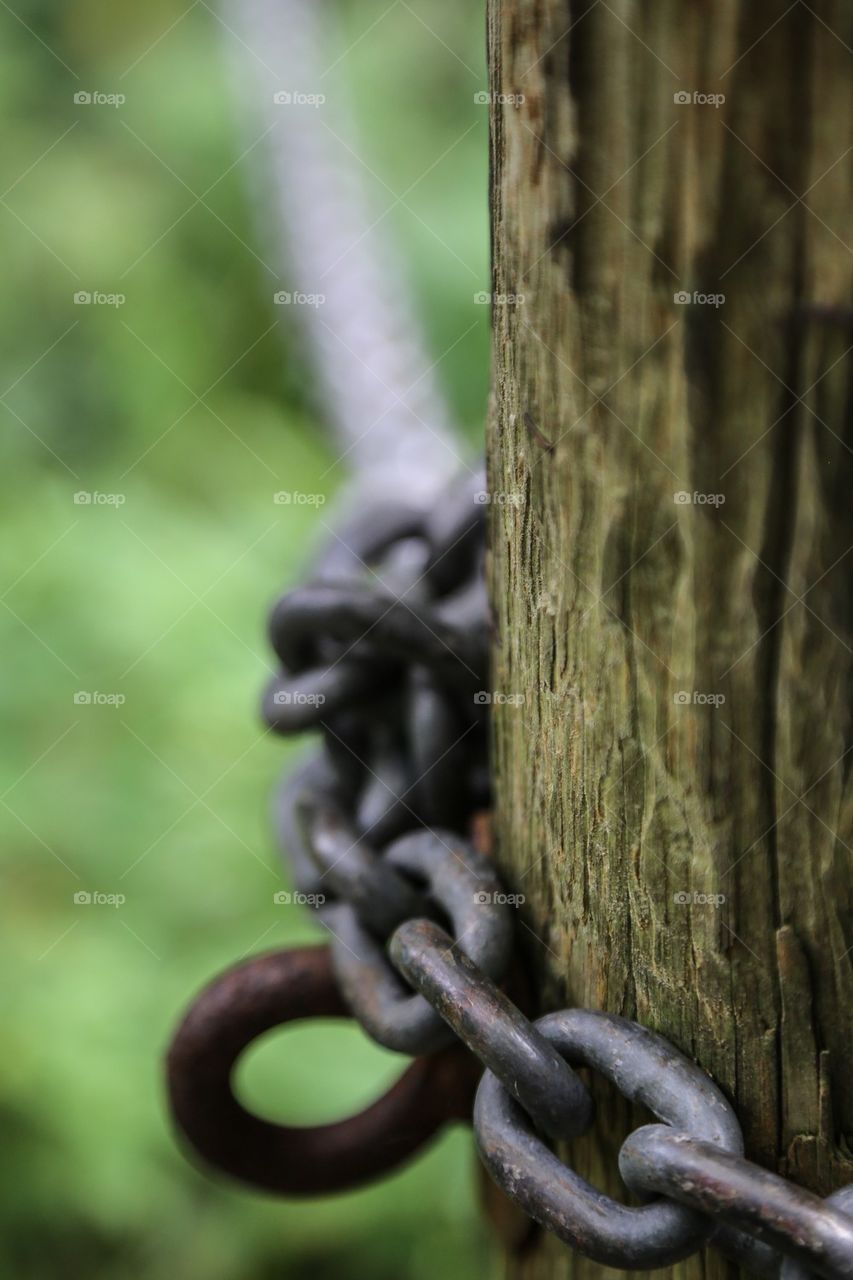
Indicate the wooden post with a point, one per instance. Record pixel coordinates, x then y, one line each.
671 531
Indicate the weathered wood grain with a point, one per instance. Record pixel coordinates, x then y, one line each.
617 799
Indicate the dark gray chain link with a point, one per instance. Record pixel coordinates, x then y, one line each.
385 651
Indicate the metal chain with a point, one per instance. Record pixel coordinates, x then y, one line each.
385 651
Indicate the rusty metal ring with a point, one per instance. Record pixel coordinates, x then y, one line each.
243 1003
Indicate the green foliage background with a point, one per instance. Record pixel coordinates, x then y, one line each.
163 600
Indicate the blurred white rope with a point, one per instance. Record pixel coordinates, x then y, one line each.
375 379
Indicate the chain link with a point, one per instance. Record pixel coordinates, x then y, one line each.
385 652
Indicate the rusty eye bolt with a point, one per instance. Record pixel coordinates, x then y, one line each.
269 991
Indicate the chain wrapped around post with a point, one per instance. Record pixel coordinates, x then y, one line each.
384 651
